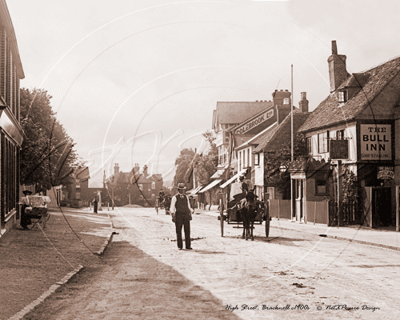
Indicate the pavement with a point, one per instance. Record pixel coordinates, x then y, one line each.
384 238
38 262
35 263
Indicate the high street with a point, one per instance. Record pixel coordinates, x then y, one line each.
291 274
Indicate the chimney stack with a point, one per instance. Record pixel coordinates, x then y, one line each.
145 171
116 168
279 97
337 68
303 103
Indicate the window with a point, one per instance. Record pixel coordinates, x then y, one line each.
309 145
257 159
320 187
77 195
340 135
153 185
140 187
323 145
342 96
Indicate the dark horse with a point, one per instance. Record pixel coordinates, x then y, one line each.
249 208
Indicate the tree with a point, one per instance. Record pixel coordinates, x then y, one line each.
204 163
47 154
282 157
182 164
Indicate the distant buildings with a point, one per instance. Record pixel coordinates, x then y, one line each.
134 187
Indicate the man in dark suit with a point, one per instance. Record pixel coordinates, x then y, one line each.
181 214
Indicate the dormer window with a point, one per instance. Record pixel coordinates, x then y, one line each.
342 96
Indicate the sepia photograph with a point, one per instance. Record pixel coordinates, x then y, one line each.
199 159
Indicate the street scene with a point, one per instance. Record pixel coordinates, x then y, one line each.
291 274
199 160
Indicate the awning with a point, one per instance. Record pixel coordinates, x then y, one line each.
211 185
218 173
241 173
194 191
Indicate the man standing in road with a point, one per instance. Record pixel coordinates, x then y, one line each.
181 214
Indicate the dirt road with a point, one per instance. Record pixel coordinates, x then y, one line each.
289 275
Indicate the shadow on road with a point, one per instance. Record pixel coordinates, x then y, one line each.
133 285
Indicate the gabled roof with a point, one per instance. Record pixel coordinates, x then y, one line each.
279 135
370 82
238 111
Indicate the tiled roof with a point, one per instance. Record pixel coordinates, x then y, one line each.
279 135
242 138
237 112
372 82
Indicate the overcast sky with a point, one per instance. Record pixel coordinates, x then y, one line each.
155 69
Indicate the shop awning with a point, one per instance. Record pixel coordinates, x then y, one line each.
194 191
218 174
241 173
211 185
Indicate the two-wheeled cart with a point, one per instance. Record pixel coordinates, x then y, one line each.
232 215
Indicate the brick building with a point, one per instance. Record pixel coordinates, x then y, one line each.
11 136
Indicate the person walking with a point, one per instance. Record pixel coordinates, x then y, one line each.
181 213
95 203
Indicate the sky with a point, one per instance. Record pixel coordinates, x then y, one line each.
135 81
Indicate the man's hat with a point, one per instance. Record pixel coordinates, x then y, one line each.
27 192
181 186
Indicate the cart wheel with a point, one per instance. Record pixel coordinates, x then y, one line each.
267 228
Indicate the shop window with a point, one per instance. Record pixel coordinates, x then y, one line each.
320 187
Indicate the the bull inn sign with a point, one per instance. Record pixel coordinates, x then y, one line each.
376 141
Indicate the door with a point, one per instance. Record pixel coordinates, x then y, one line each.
382 207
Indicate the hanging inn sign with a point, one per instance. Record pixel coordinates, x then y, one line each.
376 141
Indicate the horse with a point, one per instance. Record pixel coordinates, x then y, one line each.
249 208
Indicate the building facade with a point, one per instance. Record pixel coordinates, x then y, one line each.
354 131
11 135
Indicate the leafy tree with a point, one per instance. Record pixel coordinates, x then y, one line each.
47 154
275 159
182 164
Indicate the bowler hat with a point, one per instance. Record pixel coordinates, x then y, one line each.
27 192
181 186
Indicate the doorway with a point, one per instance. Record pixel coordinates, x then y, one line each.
382 207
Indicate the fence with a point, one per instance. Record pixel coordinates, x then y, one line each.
348 213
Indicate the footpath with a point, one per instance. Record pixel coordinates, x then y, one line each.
35 263
359 234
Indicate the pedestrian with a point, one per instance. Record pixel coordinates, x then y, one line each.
167 204
192 202
181 213
95 202
25 220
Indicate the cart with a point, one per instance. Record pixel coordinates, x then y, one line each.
34 211
232 216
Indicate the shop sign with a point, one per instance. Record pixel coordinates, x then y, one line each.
376 141
339 149
255 122
385 173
